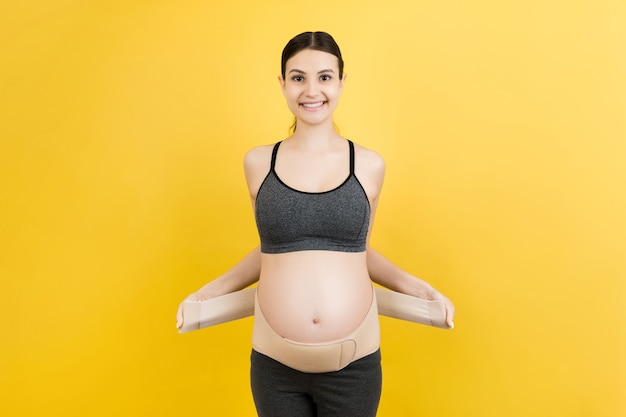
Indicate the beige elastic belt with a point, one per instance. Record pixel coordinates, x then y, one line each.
240 304
317 357
228 307
406 307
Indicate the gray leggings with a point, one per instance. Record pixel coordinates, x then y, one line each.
280 391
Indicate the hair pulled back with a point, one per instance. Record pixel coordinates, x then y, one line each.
318 41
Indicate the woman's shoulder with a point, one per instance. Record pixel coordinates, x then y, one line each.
369 158
258 155
256 163
369 168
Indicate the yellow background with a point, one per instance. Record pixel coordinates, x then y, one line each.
123 128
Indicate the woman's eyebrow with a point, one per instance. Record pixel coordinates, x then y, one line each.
302 72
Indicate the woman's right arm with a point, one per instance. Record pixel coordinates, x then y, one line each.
245 273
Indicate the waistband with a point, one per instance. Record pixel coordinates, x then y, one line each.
317 357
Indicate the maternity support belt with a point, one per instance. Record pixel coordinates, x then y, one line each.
317 357
240 304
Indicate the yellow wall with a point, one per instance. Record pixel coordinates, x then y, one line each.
123 126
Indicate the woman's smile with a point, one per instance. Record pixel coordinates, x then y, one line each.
316 106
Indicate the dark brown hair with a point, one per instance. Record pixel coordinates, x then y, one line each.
319 41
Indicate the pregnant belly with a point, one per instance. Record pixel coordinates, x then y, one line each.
314 296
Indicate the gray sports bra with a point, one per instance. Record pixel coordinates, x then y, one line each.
290 220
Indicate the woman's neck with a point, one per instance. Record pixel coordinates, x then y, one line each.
315 135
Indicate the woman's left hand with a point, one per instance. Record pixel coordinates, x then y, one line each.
436 295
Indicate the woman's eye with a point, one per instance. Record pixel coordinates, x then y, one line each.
298 78
325 77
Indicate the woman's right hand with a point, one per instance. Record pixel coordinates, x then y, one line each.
180 314
200 295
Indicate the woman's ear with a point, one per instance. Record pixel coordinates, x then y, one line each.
281 81
342 82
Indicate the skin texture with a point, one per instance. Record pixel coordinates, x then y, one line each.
315 296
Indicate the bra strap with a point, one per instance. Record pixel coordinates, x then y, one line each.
274 152
351 157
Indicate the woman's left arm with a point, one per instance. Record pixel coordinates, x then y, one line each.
371 172
384 272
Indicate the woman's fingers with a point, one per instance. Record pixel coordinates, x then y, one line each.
179 316
450 315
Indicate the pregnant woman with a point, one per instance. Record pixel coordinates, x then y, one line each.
316 333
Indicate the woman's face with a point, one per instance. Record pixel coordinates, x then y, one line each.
312 86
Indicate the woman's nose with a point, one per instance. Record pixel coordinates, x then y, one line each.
311 89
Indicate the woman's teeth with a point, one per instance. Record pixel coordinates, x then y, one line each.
312 105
